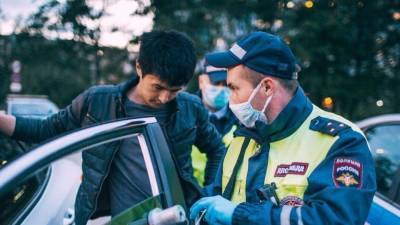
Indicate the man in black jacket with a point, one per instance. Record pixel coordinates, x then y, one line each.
165 65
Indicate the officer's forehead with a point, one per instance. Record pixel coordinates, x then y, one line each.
237 74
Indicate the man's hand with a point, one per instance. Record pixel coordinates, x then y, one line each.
7 124
219 210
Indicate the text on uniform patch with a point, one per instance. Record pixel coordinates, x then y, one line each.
296 168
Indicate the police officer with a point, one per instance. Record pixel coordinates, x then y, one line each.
291 162
215 96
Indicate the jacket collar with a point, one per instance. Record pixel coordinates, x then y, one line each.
221 114
287 122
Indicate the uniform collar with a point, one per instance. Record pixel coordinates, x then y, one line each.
222 113
287 122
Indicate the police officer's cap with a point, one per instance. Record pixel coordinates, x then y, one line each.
216 74
260 51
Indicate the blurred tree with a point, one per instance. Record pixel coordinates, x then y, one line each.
344 48
56 67
49 66
214 24
72 17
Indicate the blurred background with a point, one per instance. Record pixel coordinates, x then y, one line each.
52 50
349 51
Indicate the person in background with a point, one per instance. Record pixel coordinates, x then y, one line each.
215 97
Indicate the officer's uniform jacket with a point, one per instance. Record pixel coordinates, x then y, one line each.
320 163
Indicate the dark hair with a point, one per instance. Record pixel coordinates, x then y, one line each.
289 85
168 54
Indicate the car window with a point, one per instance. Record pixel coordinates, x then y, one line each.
17 200
131 176
66 176
384 141
132 170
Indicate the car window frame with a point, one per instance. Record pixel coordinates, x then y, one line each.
18 171
167 170
397 187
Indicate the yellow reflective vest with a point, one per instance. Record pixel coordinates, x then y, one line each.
291 160
199 160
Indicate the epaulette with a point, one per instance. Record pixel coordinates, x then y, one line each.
327 126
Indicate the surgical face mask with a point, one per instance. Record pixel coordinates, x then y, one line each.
216 97
245 112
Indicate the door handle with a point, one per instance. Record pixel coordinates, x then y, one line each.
69 217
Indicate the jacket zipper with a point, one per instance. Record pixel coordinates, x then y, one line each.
108 167
91 118
170 147
173 154
101 186
164 128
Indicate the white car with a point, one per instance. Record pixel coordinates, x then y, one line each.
383 135
36 106
53 190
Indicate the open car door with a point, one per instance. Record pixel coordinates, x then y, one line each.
166 190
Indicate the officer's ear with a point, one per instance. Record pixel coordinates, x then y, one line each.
138 69
268 85
203 80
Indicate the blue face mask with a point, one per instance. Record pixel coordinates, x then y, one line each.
216 97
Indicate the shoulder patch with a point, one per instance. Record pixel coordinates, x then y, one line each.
347 172
327 126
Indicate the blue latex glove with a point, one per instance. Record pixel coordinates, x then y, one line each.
219 210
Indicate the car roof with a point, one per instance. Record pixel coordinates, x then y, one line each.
382 119
27 99
15 96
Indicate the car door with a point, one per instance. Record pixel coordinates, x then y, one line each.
165 191
20 200
384 140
